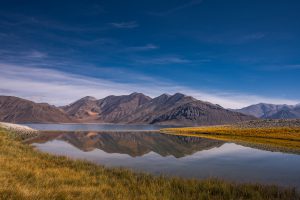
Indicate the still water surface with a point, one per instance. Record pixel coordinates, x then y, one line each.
94 127
182 156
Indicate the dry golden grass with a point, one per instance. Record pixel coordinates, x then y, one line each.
28 174
285 138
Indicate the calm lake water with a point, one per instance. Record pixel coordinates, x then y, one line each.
94 127
189 157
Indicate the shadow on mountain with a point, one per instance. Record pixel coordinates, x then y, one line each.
132 143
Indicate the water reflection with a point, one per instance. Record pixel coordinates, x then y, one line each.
175 155
132 143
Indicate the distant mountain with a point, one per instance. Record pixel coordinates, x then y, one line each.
272 111
150 111
181 109
110 109
136 108
83 109
17 110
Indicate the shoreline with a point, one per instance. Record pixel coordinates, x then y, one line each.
284 136
48 177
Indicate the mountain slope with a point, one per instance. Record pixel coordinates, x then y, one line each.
156 107
85 109
200 113
114 108
17 110
272 111
109 109
179 109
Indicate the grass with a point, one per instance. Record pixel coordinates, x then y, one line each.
29 174
281 138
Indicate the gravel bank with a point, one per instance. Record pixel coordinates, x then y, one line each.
269 123
20 131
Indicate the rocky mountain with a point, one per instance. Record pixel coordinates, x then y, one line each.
136 108
200 113
181 109
17 110
110 109
272 111
148 112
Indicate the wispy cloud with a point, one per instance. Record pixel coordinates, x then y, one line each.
36 54
292 66
56 87
125 25
253 36
229 38
177 8
280 67
146 47
29 22
163 60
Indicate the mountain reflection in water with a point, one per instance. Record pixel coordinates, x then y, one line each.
182 156
132 143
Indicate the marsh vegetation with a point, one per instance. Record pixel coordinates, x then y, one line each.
29 174
286 139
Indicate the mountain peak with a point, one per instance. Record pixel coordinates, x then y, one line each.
137 94
89 98
179 95
164 96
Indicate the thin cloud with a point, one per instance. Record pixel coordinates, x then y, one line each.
55 87
177 8
27 21
253 36
162 60
125 25
229 38
36 54
146 47
280 67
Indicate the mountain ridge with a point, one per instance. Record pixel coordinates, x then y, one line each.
18 110
272 111
135 108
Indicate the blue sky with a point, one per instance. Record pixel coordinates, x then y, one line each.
233 52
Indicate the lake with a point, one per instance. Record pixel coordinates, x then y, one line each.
189 157
94 127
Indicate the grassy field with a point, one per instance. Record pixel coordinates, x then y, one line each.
28 174
282 138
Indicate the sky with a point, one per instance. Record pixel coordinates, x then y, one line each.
233 53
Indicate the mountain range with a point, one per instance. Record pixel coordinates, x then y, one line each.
272 111
136 108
